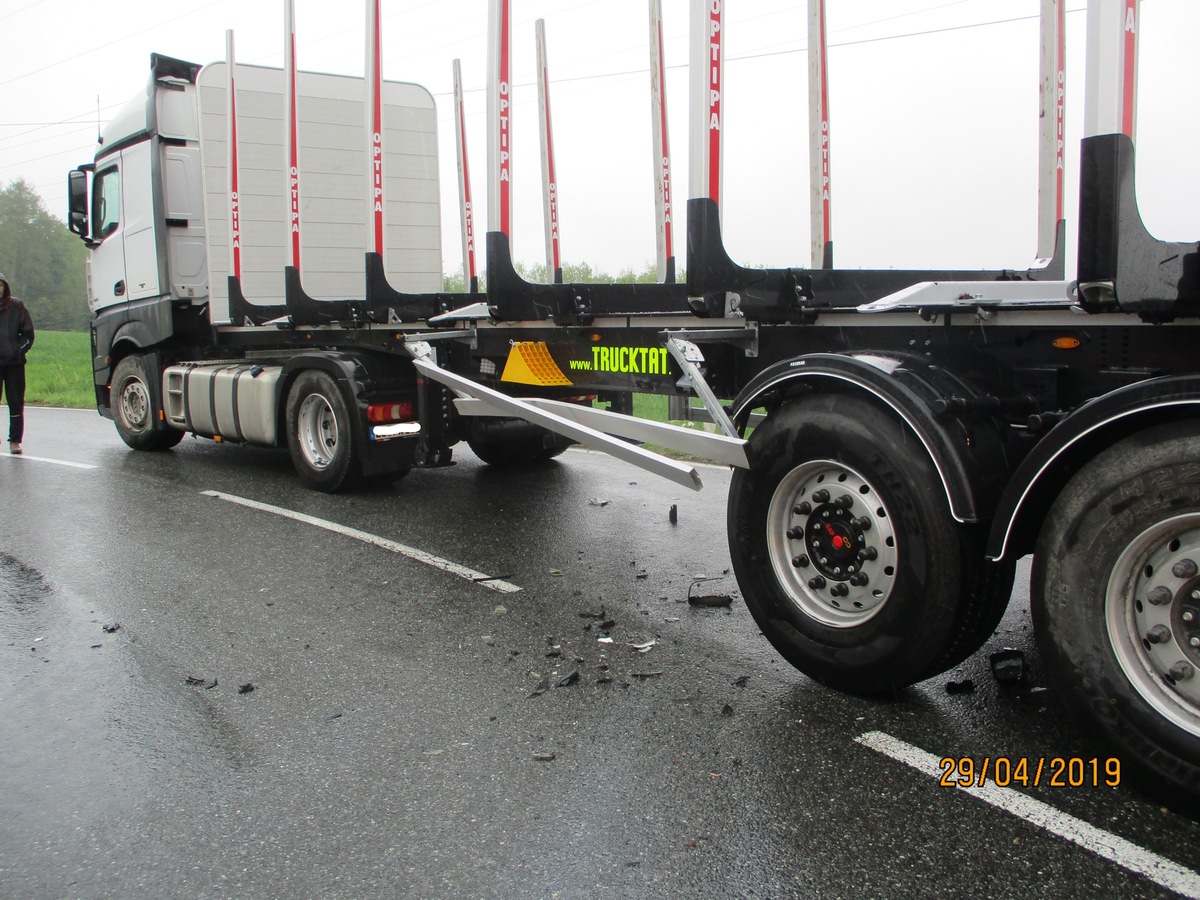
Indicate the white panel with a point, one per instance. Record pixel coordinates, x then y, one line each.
334 225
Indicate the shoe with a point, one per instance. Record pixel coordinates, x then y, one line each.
14 448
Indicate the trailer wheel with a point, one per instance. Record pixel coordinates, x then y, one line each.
132 404
320 433
844 547
1116 605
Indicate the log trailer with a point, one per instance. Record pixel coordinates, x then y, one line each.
915 432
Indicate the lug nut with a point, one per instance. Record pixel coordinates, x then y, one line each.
1196 595
803 509
844 502
868 553
859 579
1188 615
1160 596
1159 634
1194 641
821 496
794 534
1181 671
862 523
1185 568
816 583
800 562
839 590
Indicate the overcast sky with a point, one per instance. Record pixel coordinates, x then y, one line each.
933 112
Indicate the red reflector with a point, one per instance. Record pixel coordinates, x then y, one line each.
390 412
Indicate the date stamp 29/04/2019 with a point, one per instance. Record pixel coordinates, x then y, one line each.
1024 771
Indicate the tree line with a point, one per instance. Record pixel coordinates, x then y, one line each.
44 263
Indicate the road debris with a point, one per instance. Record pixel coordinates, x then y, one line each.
673 515
569 679
966 686
111 627
740 681
245 688
542 686
544 756
207 683
727 710
596 501
644 675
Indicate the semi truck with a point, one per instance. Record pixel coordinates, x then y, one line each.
898 438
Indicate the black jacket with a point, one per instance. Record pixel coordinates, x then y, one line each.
16 331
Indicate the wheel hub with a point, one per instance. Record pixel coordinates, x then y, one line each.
135 403
317 431
831 543
1152 610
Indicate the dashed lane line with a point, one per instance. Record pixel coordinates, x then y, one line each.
412 553
1104 844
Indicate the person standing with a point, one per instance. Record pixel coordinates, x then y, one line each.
16 337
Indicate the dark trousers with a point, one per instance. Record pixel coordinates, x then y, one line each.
13 380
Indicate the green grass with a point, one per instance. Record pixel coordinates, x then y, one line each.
58 370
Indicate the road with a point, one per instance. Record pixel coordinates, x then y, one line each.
415 730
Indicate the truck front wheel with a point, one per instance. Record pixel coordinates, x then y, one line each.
1116 605
320 433
844 547
132 404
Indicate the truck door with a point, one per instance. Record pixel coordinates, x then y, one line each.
126 264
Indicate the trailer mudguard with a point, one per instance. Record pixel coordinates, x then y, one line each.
1072 442
966 449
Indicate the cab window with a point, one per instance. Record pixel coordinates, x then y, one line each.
106 203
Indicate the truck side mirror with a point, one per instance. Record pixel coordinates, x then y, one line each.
77 194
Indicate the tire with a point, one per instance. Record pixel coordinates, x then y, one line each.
512 442
131 400
1125 526
320 433
844 547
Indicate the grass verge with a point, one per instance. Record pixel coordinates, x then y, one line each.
58 371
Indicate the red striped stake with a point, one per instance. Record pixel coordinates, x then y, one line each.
374 81
707 63
235 225
291 131
500 119
1129 62
1052 123
464 183
818 116
662 153
549 180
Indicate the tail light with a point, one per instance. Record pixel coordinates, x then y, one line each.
390 412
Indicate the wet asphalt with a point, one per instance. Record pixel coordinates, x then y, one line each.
410 733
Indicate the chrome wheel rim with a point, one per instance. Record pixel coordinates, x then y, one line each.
135 404
831 543
1152 613
317 431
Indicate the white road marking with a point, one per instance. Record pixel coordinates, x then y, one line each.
57 462
420 556
1104 844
